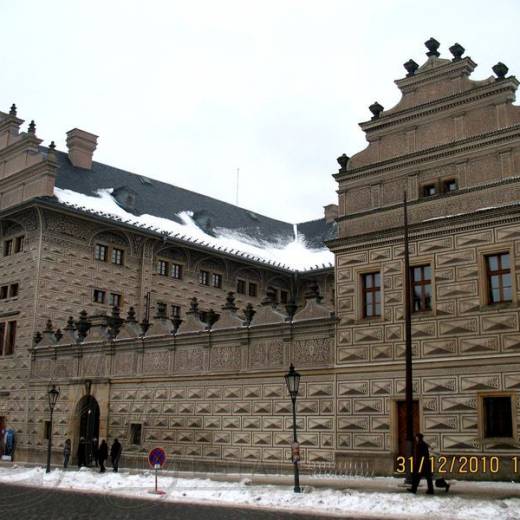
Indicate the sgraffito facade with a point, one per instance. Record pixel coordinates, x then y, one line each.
212 392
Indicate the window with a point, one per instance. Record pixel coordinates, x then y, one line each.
8 247
429 190
421 280
13 290
498 420
3 292
371 295
253 289
498 271
216 280
114 300
204 278
176 310
117 256
176 271
284 296
241 287
47 430
10 338
162 267
2 338
18 244
99 296
135 433
449 185
101 252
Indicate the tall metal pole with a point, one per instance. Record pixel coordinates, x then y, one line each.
297 488
408 341
49 445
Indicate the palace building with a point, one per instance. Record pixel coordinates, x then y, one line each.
168 318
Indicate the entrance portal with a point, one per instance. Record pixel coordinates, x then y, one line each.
401 425
88 414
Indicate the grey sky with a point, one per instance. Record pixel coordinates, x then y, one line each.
187 92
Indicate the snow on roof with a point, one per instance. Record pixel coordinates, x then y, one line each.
294 255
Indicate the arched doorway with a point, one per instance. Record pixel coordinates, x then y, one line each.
87 413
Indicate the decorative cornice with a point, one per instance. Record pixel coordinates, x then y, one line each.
430 154
439 196
429 229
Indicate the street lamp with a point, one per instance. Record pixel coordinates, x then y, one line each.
292 380
53 394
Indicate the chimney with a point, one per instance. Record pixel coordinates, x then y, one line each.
81 147
331 212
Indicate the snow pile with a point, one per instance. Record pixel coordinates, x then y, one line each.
295 255
340 502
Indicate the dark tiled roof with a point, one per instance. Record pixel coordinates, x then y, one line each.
142 195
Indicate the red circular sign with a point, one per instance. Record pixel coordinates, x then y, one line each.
157 457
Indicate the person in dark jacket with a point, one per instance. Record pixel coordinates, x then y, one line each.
82 452
102 454
95 449
422 465
115 454
67 448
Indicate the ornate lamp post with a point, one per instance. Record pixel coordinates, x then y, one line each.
292 380
53 395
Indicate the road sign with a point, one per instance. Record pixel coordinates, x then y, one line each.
157 457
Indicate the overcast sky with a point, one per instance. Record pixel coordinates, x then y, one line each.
187 92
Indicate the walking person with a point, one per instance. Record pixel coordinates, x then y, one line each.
67 448
102 454
422 465
95 449
115 454
82 452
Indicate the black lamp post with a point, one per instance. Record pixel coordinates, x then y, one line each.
53 394
292 380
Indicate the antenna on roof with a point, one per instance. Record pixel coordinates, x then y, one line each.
238 178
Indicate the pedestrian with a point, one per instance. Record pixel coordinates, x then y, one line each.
115 454
95 448
82 452
67 448
102 453
421 465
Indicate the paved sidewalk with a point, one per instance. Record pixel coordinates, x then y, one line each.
463 488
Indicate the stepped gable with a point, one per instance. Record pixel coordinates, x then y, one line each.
440 104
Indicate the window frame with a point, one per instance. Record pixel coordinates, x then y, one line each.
176 270
9 342
161 262
99 291
364 290
131 434
483 418
204 277
111 297
18 244
115 251
421 284
98 246
8 247
217 280
245 286
500 273
448 181
254 286
433 185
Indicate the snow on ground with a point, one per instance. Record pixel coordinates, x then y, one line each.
320 500
294 255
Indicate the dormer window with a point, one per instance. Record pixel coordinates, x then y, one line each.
429 190
449 185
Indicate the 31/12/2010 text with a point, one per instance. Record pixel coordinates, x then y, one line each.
459 464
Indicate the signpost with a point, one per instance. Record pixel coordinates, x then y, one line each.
156 459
